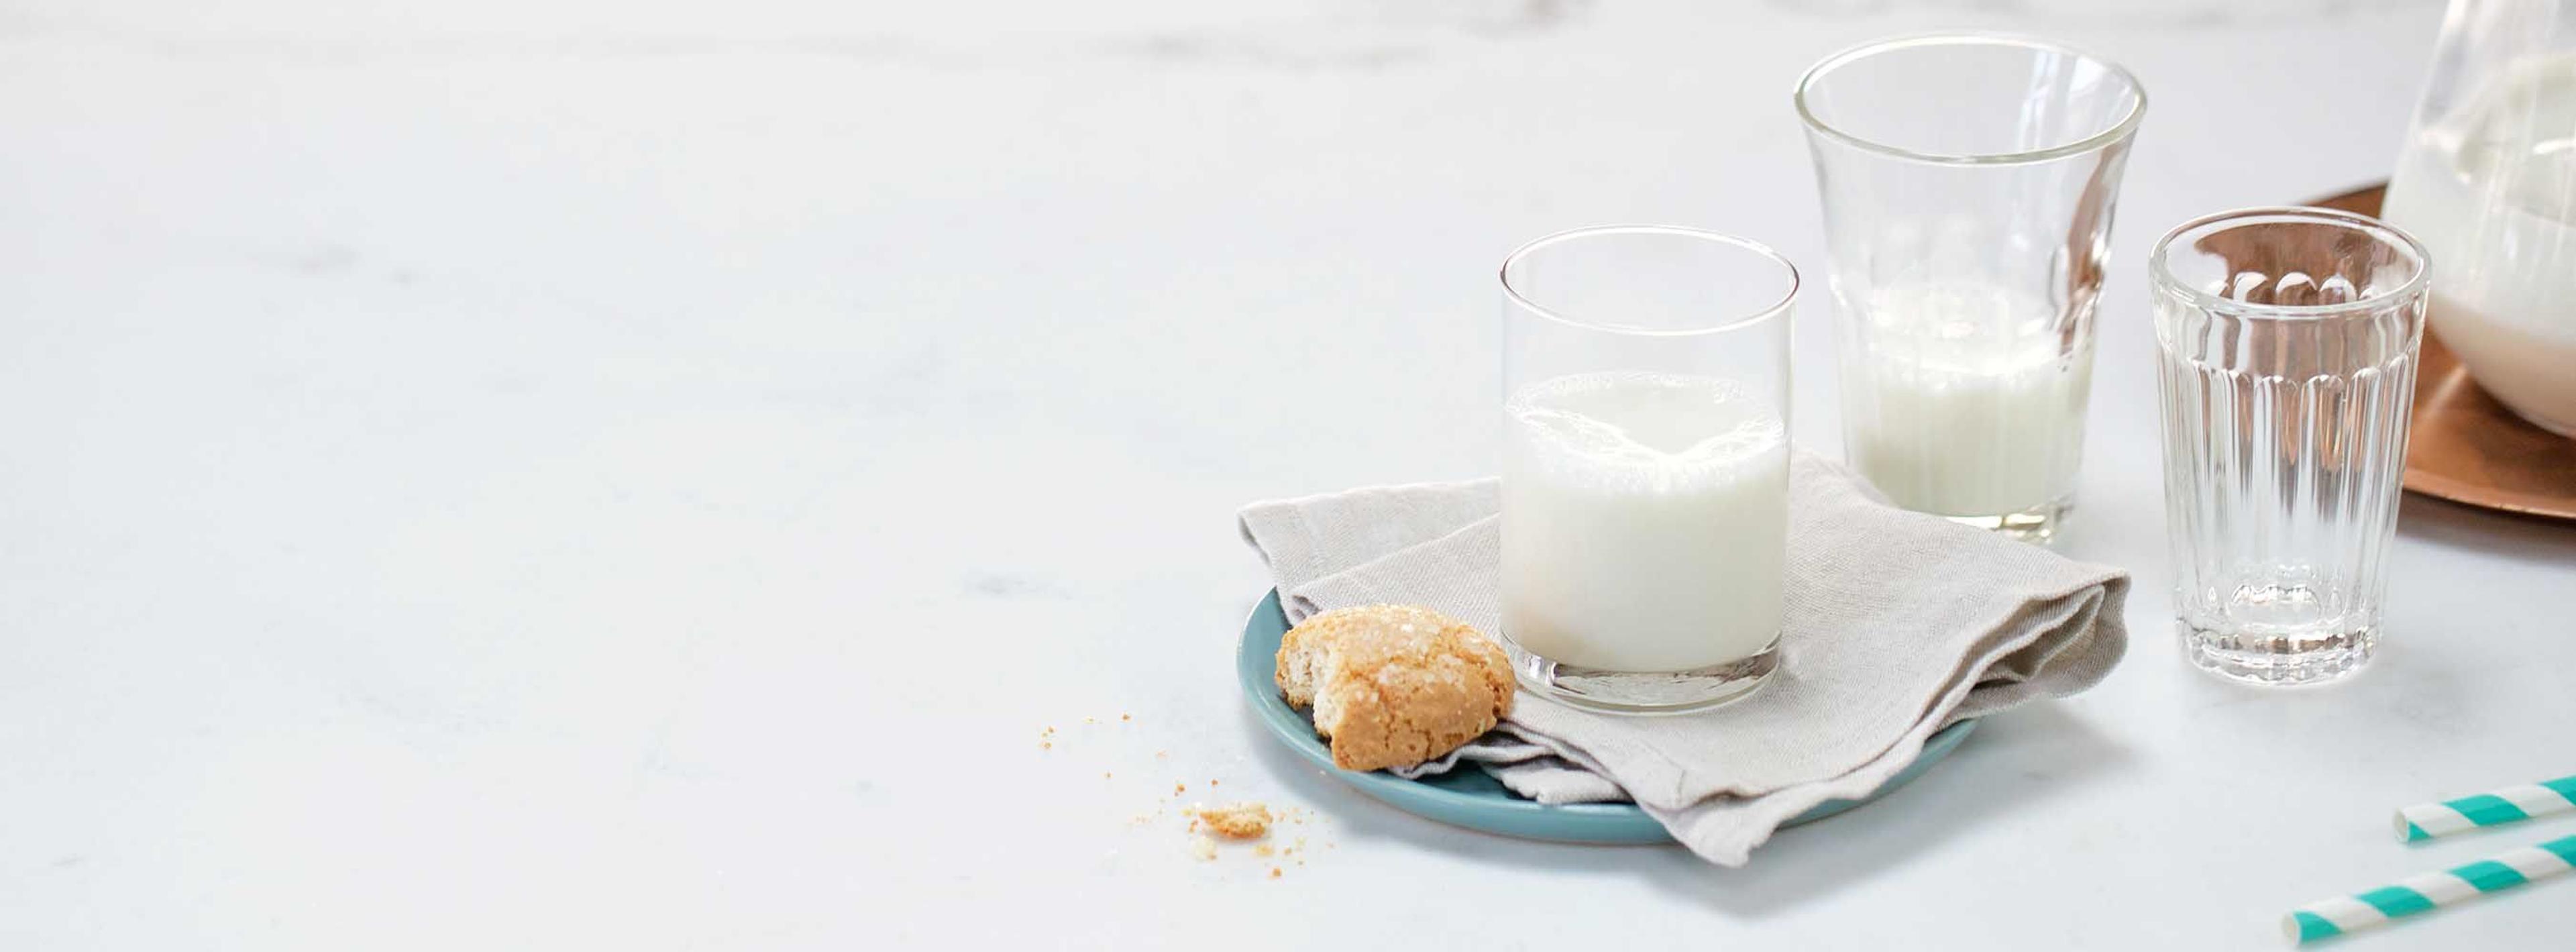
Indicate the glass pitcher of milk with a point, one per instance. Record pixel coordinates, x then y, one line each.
2488 183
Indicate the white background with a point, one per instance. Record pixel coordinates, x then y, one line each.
645 476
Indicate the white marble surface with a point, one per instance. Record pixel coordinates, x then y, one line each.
643 476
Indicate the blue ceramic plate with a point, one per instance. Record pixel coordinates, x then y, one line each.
1472 799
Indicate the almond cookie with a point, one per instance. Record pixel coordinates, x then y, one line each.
1394 685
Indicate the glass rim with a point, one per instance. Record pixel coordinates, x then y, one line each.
2117 131
1756 316
2160 271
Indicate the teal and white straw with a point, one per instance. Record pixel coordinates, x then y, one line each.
2425 821
2341 914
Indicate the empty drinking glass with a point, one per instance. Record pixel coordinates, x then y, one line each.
1968 183
2286 348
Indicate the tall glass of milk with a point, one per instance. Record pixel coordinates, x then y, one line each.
1968 183
1645 498
2488 183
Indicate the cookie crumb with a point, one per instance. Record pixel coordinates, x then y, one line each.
1264 850
1046 745
1091 720
1211 783
1274 872
1126 717
1180 788
1235 821
1203 847
1158 755
1104 775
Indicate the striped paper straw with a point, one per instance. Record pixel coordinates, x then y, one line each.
2425 821
2341 914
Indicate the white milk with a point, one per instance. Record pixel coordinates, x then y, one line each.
1645 520
1966 403
2493 196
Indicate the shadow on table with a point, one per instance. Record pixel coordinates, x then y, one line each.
1980 785
2453 525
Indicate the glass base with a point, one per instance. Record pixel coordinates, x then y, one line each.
1654 692
2313 656
2036 525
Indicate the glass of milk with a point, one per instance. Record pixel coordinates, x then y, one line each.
1968 183
1645 495
2488 183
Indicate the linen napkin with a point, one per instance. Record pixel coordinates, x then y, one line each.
1898 624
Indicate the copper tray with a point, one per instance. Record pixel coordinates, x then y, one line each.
2465 447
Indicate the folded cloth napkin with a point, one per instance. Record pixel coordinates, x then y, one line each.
1898 624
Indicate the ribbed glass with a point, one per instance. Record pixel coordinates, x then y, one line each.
2286 349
